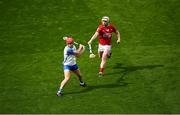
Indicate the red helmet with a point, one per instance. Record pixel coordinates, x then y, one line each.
69 40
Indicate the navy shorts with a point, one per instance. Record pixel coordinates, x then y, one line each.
71 67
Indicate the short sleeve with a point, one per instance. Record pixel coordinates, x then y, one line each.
113 28
98 29
70 51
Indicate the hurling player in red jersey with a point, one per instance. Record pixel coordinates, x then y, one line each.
104 32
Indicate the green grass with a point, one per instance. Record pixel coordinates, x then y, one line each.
141 77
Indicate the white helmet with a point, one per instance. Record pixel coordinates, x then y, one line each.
105 18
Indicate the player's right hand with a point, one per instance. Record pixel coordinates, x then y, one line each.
80 46
89 42
81 49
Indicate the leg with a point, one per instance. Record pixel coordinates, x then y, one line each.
103 61
66 78
63 83
78 73
104 52
100 50
108 55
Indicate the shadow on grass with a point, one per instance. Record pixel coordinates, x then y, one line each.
124 70
93 87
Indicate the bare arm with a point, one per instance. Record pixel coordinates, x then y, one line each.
118 36
93 37
80 50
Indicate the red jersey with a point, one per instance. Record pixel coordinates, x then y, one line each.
105 34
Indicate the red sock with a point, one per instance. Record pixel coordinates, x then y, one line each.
101 70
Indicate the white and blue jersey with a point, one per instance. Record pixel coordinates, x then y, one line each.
70 58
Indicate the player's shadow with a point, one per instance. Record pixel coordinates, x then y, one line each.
124 70
105 86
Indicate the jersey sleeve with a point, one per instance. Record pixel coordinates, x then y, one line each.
70 51
113 28
98 29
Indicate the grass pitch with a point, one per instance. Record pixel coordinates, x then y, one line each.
141 77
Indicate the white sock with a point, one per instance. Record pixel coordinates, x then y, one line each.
81 83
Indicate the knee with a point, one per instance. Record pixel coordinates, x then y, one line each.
104 58
105 55
67 78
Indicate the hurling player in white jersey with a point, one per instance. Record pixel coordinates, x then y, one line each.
104 32
70 54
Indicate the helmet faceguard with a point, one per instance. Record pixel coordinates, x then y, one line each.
105 20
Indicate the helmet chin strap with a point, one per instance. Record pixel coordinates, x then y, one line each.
107 24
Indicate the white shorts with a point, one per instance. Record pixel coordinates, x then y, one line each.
102 48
